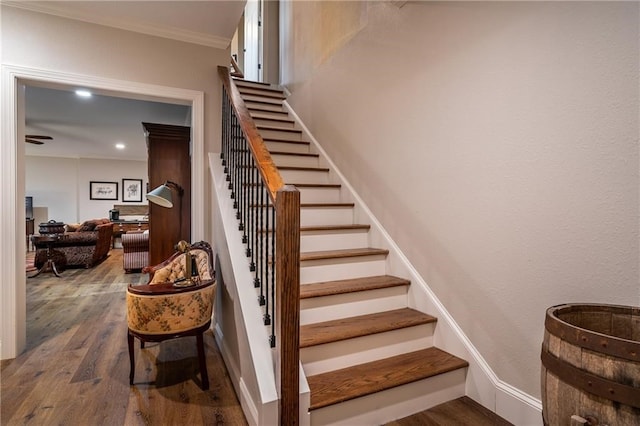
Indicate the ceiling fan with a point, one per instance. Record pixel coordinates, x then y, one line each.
34 139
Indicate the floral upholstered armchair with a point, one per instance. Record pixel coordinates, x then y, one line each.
166 309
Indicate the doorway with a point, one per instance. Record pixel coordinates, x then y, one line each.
12 171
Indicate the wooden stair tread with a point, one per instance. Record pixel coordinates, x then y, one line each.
294 154
314 205
263 86
265 93
264 101
343 253
326 205
281 140
364 379
362 325
316 185
349 227
266 110
278 129
353 285
242 80
274 119
327 228
304 169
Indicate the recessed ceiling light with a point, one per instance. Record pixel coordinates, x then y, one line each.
83 93
120 146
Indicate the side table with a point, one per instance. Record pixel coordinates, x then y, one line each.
49 241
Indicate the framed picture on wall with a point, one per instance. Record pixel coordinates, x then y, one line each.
103 190
132 190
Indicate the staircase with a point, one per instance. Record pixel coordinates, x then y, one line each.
368 357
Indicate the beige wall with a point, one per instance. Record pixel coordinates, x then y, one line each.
52 43
44 45
497 142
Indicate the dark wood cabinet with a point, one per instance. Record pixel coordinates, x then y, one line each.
169 160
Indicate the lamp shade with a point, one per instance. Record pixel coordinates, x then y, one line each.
161 196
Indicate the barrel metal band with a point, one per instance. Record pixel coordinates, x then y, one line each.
588 382
596 342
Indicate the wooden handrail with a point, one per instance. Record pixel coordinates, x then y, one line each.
237 72
286 199
267 167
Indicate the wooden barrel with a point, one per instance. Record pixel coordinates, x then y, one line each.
591 365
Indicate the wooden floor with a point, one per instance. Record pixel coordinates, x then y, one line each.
75 368
459 412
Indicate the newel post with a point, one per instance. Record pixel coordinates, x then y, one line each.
288 302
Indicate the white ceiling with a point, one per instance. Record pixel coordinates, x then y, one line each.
90 128
207 22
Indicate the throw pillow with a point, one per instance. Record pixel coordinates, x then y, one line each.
72 227
87 225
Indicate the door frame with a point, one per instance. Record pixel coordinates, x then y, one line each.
12 175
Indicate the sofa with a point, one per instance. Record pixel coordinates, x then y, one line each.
84 245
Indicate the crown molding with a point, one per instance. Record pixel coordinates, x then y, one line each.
124 24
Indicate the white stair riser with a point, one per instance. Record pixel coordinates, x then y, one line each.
288 147
338 306
304 176
326 241
383 407
325 216
308 216
319 195
269 107
259 121
295 160
318 241
280 134
308 195
338 269
332 356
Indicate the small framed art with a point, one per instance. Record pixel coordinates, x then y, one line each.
132 190
103 190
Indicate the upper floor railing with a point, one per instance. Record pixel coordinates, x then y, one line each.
268 213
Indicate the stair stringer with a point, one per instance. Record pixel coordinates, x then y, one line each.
481 384
243 341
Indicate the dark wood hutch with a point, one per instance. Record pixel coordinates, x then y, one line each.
169 156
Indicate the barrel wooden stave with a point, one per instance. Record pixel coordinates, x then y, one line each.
561 400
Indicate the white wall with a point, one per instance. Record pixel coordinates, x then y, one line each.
497 142
62 185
